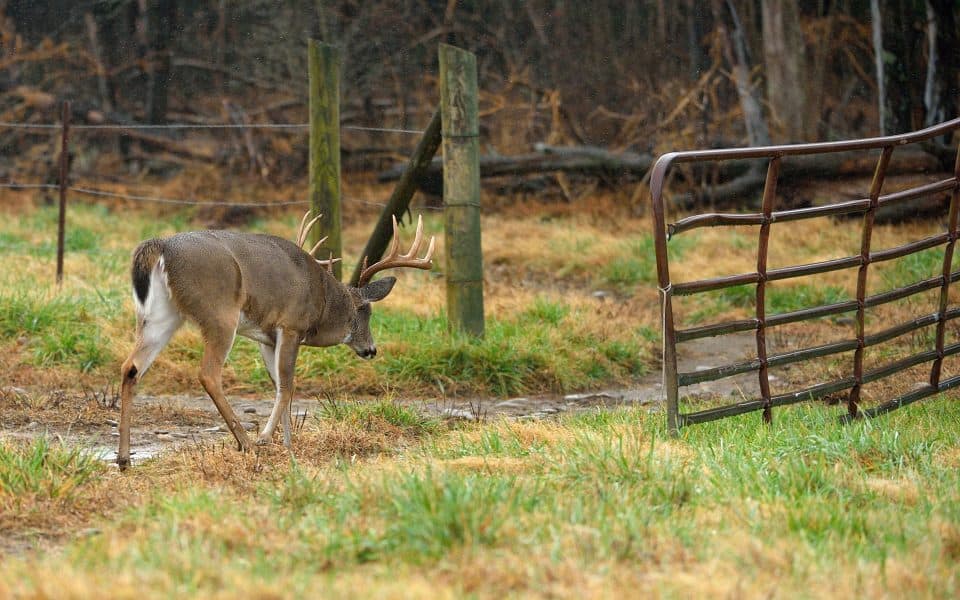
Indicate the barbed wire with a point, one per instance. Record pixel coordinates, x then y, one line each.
180 201
30 186
111 126
162 200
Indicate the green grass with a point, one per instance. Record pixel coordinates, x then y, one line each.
834 507
533 348
912 268
539 350
60 329
42 470
368 415
780 299
636 262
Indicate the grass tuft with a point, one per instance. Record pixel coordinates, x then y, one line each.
41 471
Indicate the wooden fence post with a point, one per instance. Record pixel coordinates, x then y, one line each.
461 189
324 70
63 176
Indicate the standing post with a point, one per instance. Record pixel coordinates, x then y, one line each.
324 69
64 172
461 189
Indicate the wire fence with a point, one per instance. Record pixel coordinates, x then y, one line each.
146 126
183 126
63 186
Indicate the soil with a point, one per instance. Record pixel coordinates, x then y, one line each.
166 422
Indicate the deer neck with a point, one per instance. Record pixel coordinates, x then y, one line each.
336 316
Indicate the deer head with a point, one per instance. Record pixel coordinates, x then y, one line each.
258 286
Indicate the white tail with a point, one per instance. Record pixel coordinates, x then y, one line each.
259 286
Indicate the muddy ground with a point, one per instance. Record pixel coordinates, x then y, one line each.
163 423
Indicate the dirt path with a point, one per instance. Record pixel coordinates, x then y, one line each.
159 422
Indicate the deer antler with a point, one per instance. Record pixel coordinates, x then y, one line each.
305 228
395 259
302 233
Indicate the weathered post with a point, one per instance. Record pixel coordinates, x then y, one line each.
63 176
461 189
324 70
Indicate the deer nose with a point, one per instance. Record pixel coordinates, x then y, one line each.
368 352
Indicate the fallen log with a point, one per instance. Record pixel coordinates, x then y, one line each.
735 182
584 160
743 190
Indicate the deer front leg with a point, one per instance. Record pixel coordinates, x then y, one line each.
215 351
284 366
154 330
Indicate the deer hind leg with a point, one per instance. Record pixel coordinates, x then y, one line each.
157 321
218 340
284 366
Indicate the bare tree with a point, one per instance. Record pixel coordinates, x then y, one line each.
785 67
941 92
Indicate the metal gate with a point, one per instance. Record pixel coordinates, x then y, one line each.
761 322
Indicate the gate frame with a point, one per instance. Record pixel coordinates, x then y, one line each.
672 380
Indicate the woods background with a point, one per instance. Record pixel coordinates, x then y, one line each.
635 77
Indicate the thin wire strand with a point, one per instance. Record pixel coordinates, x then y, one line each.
196 126
30 186
158 199
179 201
383 129
48 126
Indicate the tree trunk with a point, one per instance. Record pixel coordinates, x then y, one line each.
785 62
898 56
942 91
876 28
735 51
817 126
102 84
159 75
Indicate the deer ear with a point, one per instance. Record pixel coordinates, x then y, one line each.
378 289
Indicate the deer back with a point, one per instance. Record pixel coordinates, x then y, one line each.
270 280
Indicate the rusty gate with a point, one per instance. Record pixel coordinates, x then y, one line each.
774 157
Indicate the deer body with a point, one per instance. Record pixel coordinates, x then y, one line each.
259 286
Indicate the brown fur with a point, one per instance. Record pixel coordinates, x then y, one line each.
231 283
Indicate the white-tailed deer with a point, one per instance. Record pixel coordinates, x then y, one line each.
259 286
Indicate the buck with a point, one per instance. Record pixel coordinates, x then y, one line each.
258 286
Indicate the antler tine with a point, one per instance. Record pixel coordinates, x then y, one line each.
417 239
328 263
303 221
305 230
317 245
395 259
395 246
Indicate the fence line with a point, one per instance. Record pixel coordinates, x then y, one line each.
65 126
162 200
112 126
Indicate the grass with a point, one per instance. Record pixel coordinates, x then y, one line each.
42 471
634 262
84 330
599 502
378 499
